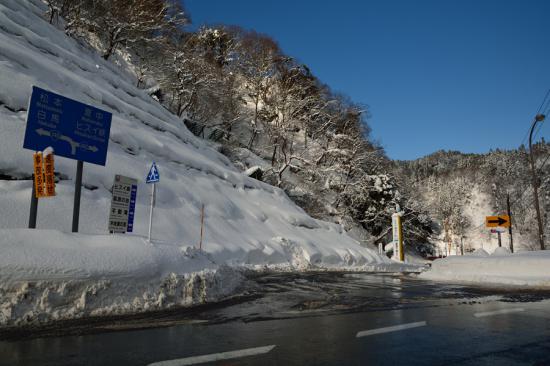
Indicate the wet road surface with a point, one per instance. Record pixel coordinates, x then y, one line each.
312 319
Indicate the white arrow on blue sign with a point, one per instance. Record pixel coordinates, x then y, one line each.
153 175
75 130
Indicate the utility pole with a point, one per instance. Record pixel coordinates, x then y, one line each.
510 228
538 118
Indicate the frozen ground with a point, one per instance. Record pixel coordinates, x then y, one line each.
500 268
50 274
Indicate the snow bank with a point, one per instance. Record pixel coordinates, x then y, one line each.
480 252
518 269
50 274
501 251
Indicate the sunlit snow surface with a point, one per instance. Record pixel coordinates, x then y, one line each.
499 268
247 223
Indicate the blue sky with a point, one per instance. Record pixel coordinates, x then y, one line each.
464 75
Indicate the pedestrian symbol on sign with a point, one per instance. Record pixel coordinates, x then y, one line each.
153 175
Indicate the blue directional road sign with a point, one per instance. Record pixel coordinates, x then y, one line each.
153 175
75 130
132 209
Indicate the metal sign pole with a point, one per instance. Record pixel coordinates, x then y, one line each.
510 228
151 212
77 191
34 207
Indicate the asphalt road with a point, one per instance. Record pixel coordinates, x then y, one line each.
313 319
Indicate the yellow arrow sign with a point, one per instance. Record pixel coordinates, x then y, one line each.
497 221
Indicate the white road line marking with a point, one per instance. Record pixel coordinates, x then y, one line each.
498 312
214 357
395 328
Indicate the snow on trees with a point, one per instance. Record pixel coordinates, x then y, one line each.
311 142
119 22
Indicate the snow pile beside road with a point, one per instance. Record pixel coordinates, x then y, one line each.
49 275
480 252
501 251
518 269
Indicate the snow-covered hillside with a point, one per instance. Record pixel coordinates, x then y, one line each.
247 223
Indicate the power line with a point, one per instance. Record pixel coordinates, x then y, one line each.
547 107
511 204
545 160
517 198
545 103
537 132
544 100
543 163
548 157
540 125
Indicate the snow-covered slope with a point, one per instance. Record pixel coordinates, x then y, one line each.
500 268
246 221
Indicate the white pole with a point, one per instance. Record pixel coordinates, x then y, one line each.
202 226
151 212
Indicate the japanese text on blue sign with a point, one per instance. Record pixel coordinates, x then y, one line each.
75 130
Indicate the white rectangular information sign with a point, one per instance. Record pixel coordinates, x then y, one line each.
123 203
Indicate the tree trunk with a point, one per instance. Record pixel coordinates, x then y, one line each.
273 156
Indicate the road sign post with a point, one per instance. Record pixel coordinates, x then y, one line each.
510 228
34 206
397 227
152 178
498 223
43 181
151 211
73 129
77 192
123 203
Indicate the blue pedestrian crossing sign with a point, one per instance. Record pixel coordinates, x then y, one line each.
153 175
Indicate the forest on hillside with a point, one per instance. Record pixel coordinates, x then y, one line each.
445 181
276 121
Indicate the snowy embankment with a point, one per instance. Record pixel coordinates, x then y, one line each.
50 273
501 268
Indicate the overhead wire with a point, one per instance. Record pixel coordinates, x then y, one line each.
544 105
547 158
